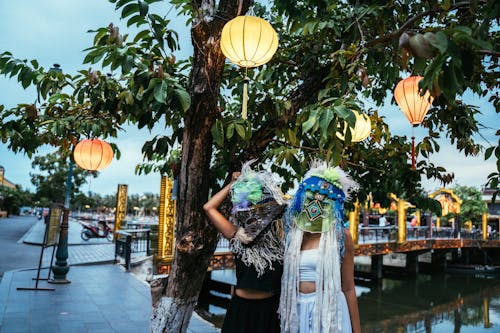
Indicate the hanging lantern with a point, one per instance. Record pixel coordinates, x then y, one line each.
414 105
93 154
361 130
248 41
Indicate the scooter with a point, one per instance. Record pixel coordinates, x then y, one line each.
94 231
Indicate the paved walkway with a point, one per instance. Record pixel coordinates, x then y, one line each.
102 297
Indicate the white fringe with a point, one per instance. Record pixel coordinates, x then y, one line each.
266 249
327 313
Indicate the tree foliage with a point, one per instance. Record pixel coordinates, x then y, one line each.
473 206
50 180
333 57
11 200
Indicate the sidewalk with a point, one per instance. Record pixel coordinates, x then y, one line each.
100 298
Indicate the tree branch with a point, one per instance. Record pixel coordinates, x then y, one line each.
495 54
408 24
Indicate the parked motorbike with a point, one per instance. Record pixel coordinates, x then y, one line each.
102 230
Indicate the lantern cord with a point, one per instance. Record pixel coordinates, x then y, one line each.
413 153
245 97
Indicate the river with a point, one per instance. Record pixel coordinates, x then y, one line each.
440 303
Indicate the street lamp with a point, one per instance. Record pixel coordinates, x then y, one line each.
61 268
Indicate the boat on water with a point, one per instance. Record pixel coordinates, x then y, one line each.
473 269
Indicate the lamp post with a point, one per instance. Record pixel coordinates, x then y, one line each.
61 267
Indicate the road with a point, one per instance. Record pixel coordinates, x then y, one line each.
15 254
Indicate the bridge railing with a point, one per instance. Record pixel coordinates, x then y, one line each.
377 234
444 232
413 233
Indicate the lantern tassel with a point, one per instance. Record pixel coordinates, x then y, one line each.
245 98
413 153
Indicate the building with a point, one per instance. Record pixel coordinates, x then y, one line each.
4 181
493 207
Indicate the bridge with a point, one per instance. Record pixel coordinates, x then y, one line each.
377 241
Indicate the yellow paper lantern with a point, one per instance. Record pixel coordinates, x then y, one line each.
248 41
93 154
408 97
413 105
361 130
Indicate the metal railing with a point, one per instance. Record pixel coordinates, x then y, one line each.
131 241
377 234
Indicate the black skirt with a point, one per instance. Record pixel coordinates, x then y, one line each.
250 316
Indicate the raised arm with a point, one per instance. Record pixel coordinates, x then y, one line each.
226 228
347 273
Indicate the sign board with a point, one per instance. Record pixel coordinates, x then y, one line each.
53 224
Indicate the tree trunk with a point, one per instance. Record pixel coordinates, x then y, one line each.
196 238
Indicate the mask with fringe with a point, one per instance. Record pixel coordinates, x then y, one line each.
258 205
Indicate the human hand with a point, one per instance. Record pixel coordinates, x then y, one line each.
235 176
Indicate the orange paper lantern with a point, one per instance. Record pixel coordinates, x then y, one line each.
413 105
93 154
408 97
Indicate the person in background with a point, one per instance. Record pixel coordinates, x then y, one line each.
256 240
318 292
382 221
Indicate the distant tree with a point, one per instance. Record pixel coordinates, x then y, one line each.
50 180
473 206
11 200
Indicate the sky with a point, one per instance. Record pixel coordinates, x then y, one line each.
55 31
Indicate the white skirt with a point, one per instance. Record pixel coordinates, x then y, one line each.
306 310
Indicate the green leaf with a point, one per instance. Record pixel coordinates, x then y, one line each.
143 8
230 131
141 35
324 121
342 111
240 130
137 20
217 131
130 9
160 92
488 152
440 42
184 98
310 122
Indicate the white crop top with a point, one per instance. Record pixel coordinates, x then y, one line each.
307 266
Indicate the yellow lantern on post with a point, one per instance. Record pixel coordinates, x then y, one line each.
361 130
93 154
413 105
248 41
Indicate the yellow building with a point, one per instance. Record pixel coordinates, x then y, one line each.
4 181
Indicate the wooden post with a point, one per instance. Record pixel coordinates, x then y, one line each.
166 226
485 225
354 223
376 266
121 205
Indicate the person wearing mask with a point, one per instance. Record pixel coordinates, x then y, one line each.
256 240
318 292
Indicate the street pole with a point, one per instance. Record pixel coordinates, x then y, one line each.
61 267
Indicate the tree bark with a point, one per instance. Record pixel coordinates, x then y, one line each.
196 238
